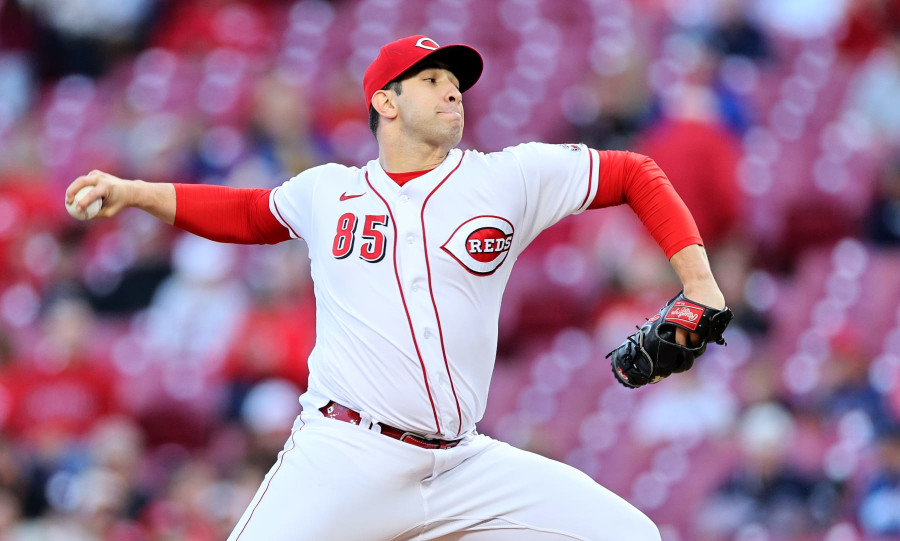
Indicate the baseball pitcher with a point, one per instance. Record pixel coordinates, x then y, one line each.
410 256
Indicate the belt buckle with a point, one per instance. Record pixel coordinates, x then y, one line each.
412 435
427 443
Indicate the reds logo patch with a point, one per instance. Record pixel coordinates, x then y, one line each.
686 314
481 244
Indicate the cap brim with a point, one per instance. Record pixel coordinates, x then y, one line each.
465 63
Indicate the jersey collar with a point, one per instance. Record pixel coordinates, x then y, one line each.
418 188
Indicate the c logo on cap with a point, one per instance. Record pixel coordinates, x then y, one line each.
421 43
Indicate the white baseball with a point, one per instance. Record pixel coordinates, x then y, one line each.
92 210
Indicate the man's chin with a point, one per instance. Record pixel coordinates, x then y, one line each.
451 136
448 136
456 137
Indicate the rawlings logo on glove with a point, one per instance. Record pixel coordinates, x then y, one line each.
685 314
651 354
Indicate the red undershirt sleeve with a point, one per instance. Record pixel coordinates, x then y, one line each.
626 177
222 214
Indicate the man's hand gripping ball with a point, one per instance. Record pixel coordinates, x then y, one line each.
652 354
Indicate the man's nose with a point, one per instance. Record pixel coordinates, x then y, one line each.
453 94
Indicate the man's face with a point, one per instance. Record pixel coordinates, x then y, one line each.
430 107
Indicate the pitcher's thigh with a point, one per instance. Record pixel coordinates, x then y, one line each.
328 485
506 493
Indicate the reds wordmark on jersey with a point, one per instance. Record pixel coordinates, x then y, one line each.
408 280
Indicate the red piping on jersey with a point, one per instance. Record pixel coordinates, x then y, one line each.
431 292
599 175
280 217
280 462
406 309
590 177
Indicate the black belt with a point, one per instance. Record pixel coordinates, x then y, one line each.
343 413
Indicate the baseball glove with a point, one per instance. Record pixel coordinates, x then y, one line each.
651 354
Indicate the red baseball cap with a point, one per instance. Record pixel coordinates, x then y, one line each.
398 56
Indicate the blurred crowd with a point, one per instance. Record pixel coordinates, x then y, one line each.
148 378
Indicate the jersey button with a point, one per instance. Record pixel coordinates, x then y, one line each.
410 239
428 334
404 198
415 287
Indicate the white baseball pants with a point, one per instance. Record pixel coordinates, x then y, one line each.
335 481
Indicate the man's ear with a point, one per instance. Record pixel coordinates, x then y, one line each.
385 104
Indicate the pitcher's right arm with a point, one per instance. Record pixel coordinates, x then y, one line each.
219 213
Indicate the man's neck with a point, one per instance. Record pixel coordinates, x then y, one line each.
404 157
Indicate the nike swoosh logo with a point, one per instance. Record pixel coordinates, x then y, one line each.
345 197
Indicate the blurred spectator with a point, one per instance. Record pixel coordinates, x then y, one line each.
883 225
691 61
268 412
16 27
338 114
767 493
10 514
700 157
868 25
845 384
185 510
16 87
735 33
85 36
879 508
759 380
15 491
27 226
871 101
281 130
197 309
689 408
57 394
54 397
117 269
731 261
277 331
186 334
202 25
801 19
159 146
608 110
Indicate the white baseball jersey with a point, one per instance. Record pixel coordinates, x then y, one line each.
408 280
408 283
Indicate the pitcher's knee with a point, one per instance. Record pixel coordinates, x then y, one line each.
646 530
628 525
641 528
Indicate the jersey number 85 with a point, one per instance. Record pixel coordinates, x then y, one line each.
374 243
